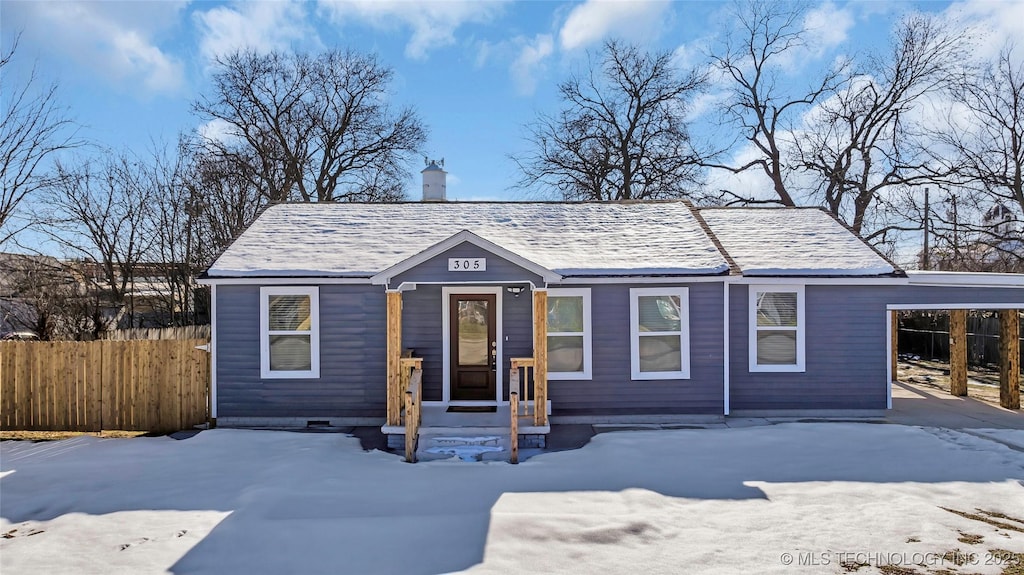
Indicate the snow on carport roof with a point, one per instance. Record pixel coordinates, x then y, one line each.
792 242
572 239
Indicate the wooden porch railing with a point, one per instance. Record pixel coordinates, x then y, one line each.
520 404
411 382
413 415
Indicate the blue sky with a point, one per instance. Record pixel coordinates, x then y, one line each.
475 71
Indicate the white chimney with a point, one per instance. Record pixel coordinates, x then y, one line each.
434 181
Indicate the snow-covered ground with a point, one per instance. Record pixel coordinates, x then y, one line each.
797 497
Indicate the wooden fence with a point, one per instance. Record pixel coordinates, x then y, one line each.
145 385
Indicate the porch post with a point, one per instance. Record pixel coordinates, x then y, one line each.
394 351
1009 359
540 357
958 352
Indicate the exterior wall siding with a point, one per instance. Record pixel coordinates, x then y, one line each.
611 390
846 354
436 269
845 349
352 357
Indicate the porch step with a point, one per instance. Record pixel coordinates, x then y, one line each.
465 447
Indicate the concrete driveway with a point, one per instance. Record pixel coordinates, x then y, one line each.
925 406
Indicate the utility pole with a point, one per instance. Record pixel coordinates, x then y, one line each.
925 264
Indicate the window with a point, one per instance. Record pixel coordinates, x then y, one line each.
777 328
660 333
569 334
289 332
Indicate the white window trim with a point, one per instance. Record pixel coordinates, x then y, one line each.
587 372
801 328
634 333
314 331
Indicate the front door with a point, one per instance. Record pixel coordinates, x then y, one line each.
474 351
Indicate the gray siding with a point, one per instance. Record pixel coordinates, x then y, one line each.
611 391
352 361
846 349
436 269
422 331
846 342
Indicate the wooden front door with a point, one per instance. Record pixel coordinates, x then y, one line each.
474 351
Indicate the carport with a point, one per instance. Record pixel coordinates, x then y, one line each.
958 293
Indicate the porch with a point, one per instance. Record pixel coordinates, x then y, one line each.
504 425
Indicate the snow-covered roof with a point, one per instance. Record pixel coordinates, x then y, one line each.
792 242
571 239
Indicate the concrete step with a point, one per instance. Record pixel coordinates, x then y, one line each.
469 447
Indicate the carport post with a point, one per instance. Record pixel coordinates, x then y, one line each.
958 352
894 335
1009 359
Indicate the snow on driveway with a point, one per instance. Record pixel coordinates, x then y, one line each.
799 497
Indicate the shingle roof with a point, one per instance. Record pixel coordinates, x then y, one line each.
572 239
792 242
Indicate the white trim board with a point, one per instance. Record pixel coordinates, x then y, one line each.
958 305
801 329
213 352
725 349
291 281
965 279
684 333
446 340
313 292
586 334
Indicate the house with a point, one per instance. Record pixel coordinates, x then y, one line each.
644 311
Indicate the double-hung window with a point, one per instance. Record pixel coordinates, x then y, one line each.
569 348
777 327
289 332
659 321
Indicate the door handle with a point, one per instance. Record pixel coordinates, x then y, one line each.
494 355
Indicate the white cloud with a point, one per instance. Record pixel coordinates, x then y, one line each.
530 61
994 24
827 27
217 130
115 40
433 24
595 20
260 26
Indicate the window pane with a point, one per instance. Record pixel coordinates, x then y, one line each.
776 308
565 353
776 347
660 353
473 344
289 312
290 353
565 314
659 313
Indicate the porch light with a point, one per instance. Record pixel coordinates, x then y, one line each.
515 290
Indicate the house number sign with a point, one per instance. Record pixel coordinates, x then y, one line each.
467 264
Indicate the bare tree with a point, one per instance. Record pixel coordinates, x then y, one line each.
314 128
621 134
34 126
860 143
984 139
767 34
100 213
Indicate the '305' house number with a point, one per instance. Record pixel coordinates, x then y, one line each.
467 264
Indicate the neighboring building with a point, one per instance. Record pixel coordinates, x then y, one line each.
996 246
653 309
